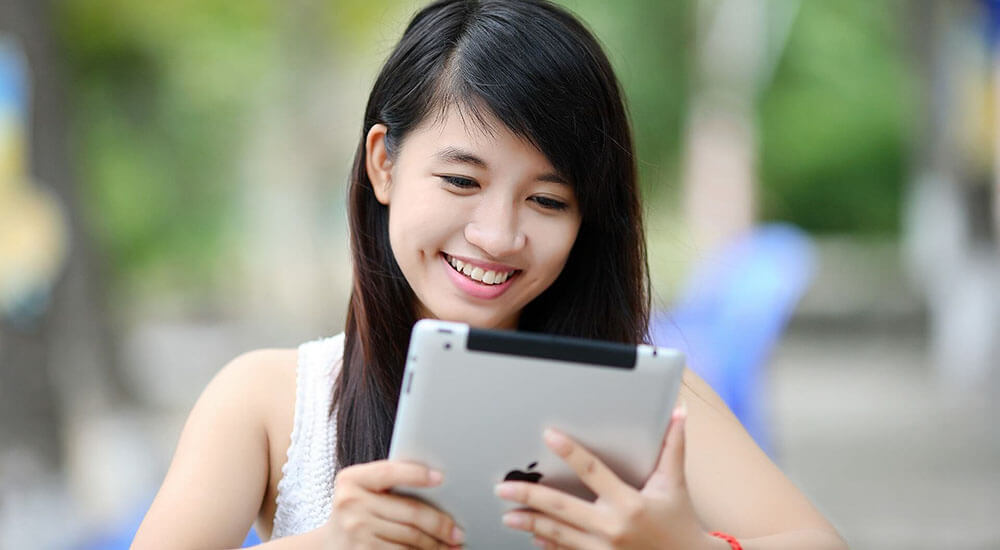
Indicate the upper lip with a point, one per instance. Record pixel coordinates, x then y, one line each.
486 266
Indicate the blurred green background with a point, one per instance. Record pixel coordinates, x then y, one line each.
162 95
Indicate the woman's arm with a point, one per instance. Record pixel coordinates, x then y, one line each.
219 476
213 490
735 487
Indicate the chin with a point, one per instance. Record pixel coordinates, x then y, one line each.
479 319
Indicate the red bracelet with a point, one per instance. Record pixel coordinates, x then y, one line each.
735 544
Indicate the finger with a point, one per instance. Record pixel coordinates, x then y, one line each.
424 517
567 508
550 530
406 535
544 543
383 475
383 543
670 466
594 474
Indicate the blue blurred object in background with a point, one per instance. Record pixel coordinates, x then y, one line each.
13 85
732 312
992 21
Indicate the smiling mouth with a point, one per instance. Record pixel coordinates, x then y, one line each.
478 274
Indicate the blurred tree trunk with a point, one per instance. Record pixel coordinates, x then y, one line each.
61 368
720 186
288 166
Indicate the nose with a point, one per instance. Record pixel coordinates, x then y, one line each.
495 230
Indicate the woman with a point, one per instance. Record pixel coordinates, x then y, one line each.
494 184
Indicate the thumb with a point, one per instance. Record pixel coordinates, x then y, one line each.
669 470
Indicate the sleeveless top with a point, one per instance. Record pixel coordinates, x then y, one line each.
305 491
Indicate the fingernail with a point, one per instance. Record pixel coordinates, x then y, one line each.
538 542
682 410
556 440
514 519
435 477
504 490
457 536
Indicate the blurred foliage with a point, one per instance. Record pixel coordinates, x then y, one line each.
164 96
160 99
834 120
655 79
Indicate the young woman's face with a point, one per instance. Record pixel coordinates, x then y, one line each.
479 222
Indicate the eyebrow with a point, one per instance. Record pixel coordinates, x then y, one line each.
455 155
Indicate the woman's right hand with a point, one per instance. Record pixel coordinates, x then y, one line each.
364 514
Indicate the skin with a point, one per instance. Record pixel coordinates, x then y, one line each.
710 475
660 515
457 189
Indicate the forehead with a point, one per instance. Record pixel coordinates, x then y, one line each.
480 132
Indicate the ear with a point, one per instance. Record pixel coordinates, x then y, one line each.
377 162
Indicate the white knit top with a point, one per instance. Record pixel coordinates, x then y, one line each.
305 491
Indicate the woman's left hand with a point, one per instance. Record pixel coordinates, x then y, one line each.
659 516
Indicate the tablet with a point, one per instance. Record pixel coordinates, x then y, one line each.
474 404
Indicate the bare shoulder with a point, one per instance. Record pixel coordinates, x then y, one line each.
256 370
261 383
696 393
267 374
219 474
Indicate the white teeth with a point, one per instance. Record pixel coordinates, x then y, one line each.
478 273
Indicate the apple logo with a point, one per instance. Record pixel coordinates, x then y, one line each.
529 476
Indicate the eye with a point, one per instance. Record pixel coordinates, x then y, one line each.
550 204
459 182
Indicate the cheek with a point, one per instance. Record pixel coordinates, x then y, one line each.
415 228
401 237
557 244
394 240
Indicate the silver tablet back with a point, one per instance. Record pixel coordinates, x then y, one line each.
474 405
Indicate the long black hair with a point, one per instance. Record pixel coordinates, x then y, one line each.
535 68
